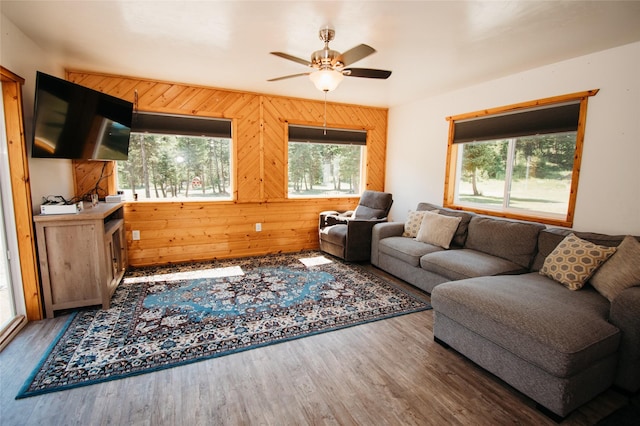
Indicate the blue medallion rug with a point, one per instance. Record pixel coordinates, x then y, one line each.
168 316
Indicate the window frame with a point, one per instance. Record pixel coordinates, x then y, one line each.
159 128
453 154
363 158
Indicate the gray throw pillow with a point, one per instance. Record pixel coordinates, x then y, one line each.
621 271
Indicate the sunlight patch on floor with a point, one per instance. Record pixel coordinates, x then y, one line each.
315 261
231 271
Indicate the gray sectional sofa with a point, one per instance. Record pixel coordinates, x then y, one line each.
557 346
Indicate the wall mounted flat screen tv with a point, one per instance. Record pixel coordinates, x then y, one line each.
74 122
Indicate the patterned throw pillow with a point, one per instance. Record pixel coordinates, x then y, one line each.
438 229
574 260
412 225
621 271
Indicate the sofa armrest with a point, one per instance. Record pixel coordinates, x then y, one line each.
383 230
625 314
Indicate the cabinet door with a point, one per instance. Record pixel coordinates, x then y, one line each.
111 271
71 252
116 257
118 252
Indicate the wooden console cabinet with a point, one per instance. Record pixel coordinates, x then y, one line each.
82 256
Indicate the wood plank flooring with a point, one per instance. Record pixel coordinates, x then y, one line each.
387 372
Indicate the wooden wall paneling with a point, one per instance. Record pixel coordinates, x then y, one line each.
190 231
21 191
261 140
124 89
249 150
184 98
376 154
147 100
276 153
182 232
194 102
165 96
89 175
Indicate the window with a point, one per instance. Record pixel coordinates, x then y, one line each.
520 161
176 158
325 162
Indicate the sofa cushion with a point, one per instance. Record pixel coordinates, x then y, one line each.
465 263
514 241
437 229
574 260
373 205
531 316
621 271
412 224
336 234
465 217
406 249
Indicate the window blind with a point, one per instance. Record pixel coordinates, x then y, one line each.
182 125
538 121
335 136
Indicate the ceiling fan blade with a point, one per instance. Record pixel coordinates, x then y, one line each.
292 58
289 76
366 73
357 53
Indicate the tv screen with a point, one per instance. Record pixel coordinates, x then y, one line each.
75 122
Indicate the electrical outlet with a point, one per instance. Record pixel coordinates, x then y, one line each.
135 235
258 227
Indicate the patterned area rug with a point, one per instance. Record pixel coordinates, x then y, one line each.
165 317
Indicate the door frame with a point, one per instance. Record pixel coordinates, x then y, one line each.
21 191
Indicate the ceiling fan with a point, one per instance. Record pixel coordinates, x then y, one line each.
329 66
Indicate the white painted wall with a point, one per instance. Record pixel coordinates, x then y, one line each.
22 56
608 198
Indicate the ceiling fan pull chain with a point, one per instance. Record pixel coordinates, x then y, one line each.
325 113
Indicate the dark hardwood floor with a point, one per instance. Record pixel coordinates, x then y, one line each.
387 372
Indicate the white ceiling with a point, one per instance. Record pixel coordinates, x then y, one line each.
431 46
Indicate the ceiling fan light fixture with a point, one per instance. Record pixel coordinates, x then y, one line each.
326 80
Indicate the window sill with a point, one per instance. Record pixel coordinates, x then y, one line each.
547 219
